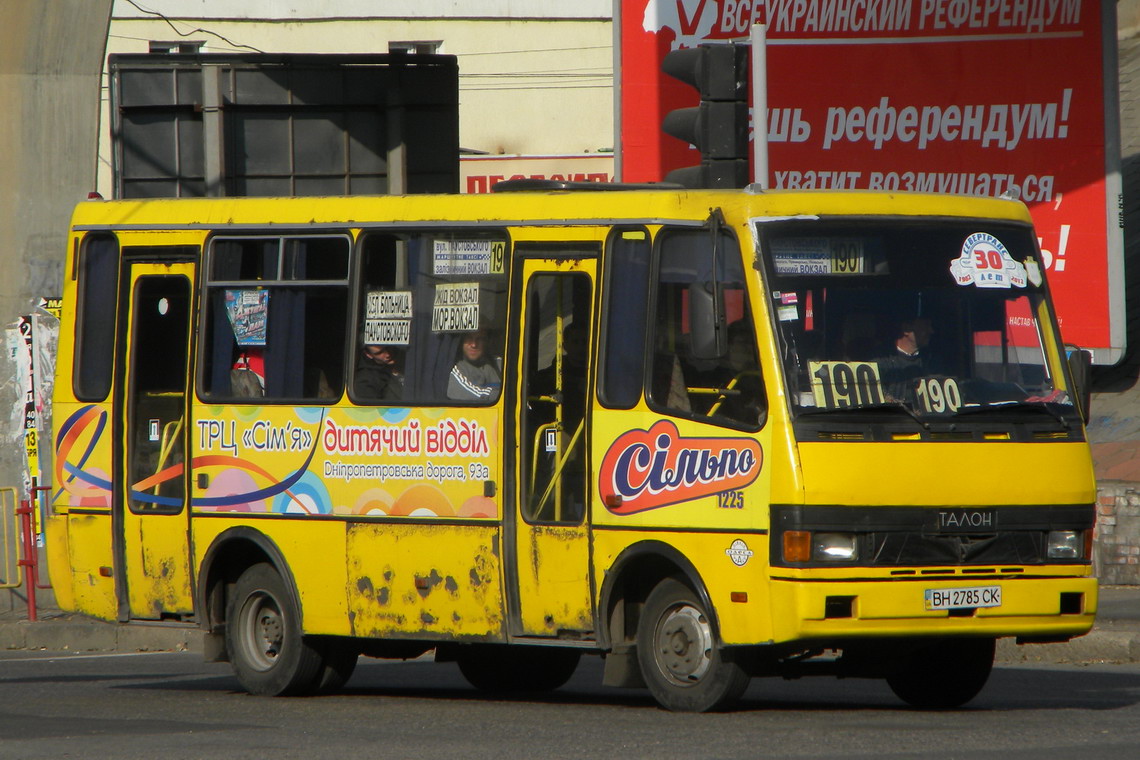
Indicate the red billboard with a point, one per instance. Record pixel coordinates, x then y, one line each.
980 97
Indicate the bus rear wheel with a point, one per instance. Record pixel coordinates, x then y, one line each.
943 674
500 668
680 660
270 655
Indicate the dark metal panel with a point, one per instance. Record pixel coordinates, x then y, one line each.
284 124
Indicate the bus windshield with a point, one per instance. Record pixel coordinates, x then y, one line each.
933 318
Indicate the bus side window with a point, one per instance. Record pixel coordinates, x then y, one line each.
95 317
431 320
682 256
727 389
622 370
275 308
380 341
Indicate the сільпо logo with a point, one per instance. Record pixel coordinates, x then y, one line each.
647 469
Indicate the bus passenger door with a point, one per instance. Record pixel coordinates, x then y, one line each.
150 499
550 564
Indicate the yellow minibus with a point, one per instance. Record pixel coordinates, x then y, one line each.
707 435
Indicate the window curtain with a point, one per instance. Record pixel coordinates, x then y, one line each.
431 355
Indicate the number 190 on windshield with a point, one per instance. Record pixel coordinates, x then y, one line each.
837 385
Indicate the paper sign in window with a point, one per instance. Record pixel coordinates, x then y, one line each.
387 317
248 311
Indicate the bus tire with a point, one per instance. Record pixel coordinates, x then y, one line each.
270 655
943 674
684 668
500 668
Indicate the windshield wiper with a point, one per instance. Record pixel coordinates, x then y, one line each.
1001 406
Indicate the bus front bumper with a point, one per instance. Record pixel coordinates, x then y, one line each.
1043 608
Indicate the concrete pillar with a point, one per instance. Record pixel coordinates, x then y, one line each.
51 59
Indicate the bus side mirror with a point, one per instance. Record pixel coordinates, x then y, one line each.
708 332
1080 364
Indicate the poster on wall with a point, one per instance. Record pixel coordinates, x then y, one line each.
976 97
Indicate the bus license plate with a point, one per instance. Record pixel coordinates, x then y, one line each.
959 598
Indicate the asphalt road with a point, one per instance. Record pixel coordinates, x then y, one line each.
172 705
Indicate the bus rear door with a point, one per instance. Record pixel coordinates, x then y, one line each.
150 499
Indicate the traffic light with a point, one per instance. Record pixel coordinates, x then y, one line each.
718 127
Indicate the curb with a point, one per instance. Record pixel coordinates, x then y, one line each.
1099 645
94 636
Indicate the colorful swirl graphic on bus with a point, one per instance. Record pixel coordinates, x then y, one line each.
89 486
233 488
237 484
647 469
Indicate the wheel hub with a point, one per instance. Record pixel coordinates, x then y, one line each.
684 645
266 631
269 626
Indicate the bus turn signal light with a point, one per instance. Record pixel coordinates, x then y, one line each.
797 546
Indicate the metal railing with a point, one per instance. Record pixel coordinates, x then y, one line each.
10 541
18 545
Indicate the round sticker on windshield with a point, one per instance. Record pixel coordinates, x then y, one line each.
985 262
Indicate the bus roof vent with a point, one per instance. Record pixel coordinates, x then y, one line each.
546 185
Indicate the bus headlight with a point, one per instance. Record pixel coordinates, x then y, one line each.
835 547
805 546
1064 544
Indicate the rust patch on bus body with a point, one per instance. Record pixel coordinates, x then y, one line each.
163 584
368 591
424 580
424 585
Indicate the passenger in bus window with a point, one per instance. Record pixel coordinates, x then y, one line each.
908 361
474 376
378 375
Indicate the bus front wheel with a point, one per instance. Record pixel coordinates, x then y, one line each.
943 674
677 651
270 655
